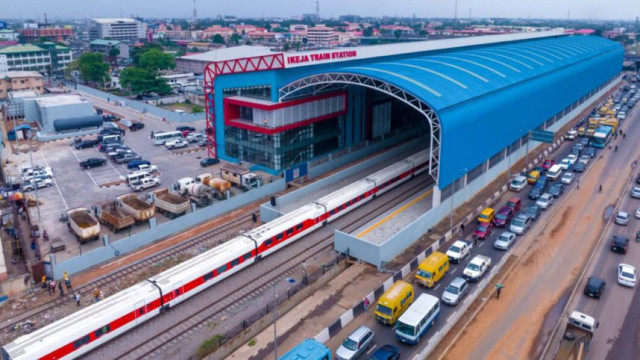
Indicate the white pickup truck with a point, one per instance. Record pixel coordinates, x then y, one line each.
476 268
145 183
459 250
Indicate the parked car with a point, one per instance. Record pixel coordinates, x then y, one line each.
145 183
136 126
85 144
520 223
567 178
195 137
186 128
619 244
579 167
638 213
483 230
594 287
455 291
204 142
556 189
635 192
533 211
622 218
111 131
584 159
502 218
209 161
627 275
126 158
386 352
39 183
591 151
356 344
92 162
544 201
176 144
504 240
135 164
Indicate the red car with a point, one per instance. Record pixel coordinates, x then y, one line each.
483 230
503 217
514 203
547 164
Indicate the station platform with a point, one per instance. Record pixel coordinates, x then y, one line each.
391 222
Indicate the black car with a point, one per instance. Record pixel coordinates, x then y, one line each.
576 150
542 181
535 192
209 161
110 118
86 144
619 244
595 287
136 126
579 167
386 352
186 128
591 151
111 131
533 211
92 162
556 189
584 141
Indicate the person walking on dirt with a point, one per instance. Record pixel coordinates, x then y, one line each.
44 281
52 286
578 185
60 288
76 296
499 287
67 281
600 189
96 294
462 228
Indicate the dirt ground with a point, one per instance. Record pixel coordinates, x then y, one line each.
548 265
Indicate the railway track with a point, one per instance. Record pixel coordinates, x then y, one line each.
87 289
216 300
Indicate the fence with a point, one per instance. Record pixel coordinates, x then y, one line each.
143 107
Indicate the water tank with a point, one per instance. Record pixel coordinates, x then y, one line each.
77 123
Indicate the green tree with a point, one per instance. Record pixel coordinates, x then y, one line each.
397 34
235 38
155 59
93 68
143 81
113 54
136 52
218 39
368 32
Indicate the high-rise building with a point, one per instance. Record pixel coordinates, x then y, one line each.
47 58
123 29
320 35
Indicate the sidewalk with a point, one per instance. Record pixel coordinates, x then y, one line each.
314 313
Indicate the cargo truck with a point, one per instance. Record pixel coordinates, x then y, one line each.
132 205
114 217
171 205
200 194
576 340
240 177
84 226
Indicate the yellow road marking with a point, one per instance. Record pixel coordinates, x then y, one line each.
395 213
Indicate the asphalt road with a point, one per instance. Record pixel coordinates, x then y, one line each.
385 334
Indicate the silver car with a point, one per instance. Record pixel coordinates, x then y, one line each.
355 344
505 240
635 192
622 218
544 201
455 291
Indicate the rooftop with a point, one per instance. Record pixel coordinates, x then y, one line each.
23 94
60 100
114 20
230 53
19 74
105 42
20 49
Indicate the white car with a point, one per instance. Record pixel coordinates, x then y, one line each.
638 212
622 218
176 144
39 183
505 240
476 268
635 192
567 178
518 183
627 275
572 158
544 201
195 137
564 164
571 134
584 159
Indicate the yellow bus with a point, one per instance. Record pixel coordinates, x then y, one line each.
394 302
432 269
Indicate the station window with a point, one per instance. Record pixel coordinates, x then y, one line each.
141 310
290 231
299 226
235 262
177 292
80 342
103 330
246 256
279 237
222 269
208 276
268 243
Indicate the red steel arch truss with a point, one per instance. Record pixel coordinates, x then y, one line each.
213 69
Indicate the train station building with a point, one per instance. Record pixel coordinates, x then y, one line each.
470 101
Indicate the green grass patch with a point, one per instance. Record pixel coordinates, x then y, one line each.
210 345
252 342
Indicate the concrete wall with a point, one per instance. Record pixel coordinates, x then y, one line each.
109 250
378 255
268 212
143 107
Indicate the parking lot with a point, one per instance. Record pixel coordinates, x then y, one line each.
75 187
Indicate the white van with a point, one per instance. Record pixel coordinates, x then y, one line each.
201 177
138 176
182 184
419 317
554 172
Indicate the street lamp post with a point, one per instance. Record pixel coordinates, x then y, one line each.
35 182
275 315
453 191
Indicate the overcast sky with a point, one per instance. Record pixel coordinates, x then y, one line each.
579 9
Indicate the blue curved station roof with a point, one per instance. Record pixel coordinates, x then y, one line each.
450 78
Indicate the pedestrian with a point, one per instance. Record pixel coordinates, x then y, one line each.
96 294
60 288
623 136
620 131
499 287
151 136
67 282
365 303
578 184
52 286
44 281
76 296
108 100
616 149
600 189
462 228
475 241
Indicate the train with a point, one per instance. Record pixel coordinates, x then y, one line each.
100 322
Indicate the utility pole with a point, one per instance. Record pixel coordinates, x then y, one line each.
195 13
318 10
455 13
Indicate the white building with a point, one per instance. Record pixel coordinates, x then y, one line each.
4 66
9 35
320 35
124 29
